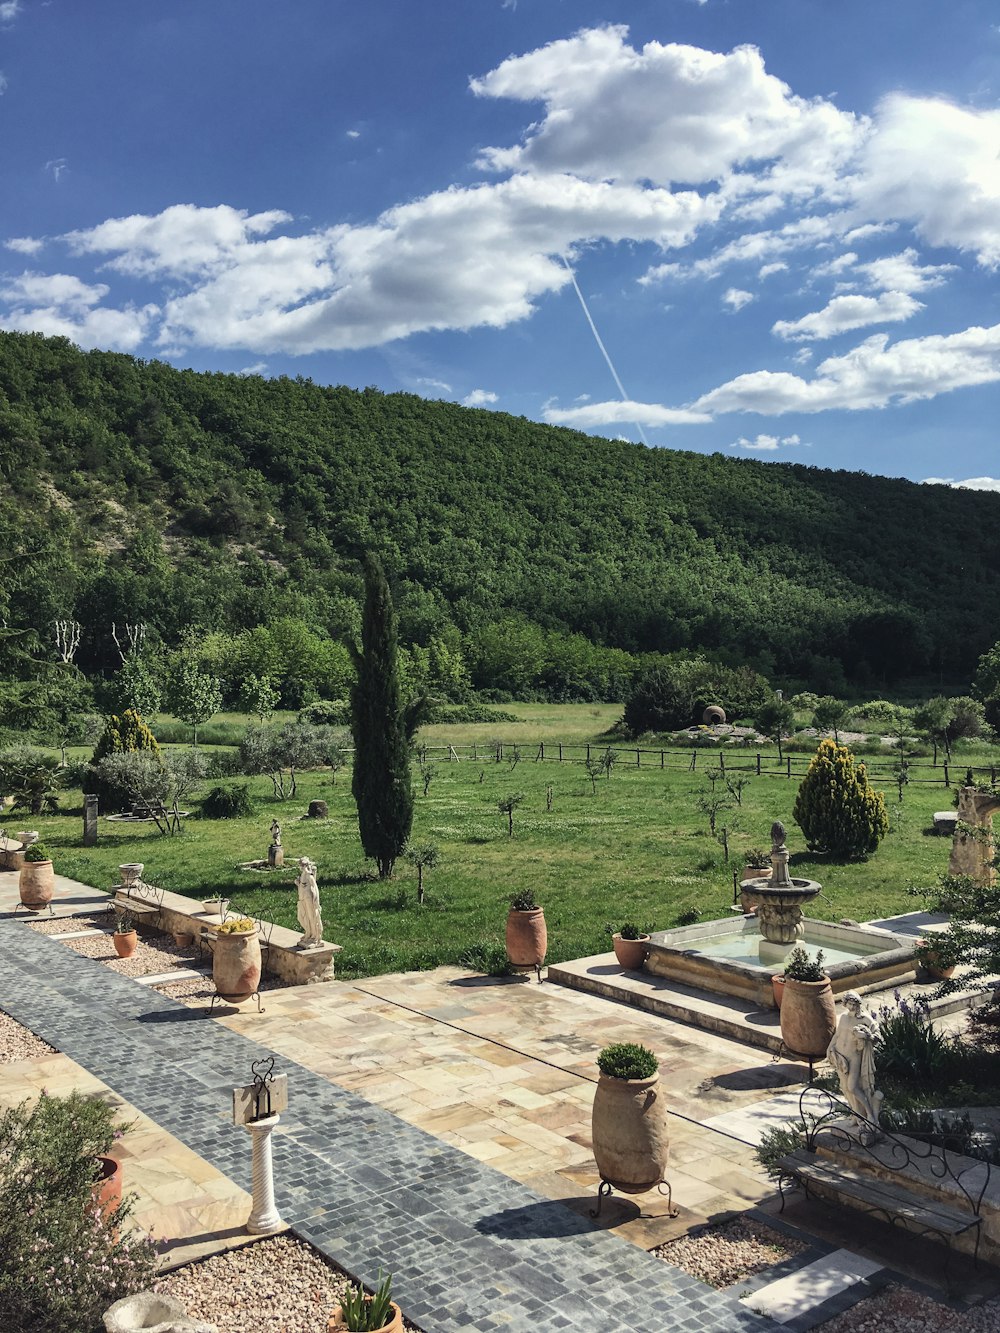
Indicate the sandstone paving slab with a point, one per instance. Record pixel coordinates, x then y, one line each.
469 1246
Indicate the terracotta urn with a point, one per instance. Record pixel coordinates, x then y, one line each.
36 884
107 1184
629 1132
930 962
183 938
236 964
527 939
125 942
395 1324
808 1017
631 954
778 988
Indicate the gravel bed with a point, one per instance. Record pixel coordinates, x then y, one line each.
899 1310
726 1254
278 1285
61 925
197 992
19 1043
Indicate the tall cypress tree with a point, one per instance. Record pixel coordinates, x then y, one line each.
382 730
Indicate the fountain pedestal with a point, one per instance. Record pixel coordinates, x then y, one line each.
780 898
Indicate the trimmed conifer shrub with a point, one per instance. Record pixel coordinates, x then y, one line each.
124 733
836 807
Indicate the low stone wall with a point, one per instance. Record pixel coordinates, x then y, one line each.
282 955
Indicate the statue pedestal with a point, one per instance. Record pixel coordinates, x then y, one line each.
275 856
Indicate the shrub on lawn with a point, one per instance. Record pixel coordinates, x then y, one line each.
228 803
836 808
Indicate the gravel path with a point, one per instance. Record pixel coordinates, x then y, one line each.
278 1285
900 1310
18 1043
726 1254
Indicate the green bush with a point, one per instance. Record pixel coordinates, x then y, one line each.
836 808
524 901
362 1312
31 776
228 803
910 1049
37 852
62 1262
800 967
327 712
489 957
124 733
776 1143
626 1059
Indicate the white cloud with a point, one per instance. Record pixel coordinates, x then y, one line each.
479 398
53 289
4 83
844 313
903 272
425 383
353 134
872 375
736 299
803 356
973 483
24 245
768 270
57 167
257 368
617 412
767 443
666 114
124 330
9 10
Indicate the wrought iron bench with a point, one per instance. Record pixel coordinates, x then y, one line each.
923 1184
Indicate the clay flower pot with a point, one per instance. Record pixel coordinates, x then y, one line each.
930 962
395 1324
527 939
107 1184
631 954
778 988
36 884
808 1017
236 964
629 1132
183 938
125 942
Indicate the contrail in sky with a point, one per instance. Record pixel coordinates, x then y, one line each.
597 339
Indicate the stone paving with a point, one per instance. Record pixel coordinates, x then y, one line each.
470 1247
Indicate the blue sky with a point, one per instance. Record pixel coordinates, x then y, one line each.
782 216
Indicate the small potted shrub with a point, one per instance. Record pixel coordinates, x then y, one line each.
125 938
808 1017
36 878
938 957
629 1121
360 1313
236 959
526 936
757 865
630 946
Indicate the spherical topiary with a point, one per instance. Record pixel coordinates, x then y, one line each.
627 1059
836 808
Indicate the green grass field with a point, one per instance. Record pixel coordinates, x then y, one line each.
637 849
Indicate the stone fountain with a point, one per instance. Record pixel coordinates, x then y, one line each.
780 898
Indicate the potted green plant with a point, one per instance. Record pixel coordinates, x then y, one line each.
236 959
526 936
630 946
938 956
808 1017
629 1120
125 938
36 878
360 1313
756 865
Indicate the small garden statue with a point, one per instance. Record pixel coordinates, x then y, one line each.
310 918
852 1054
275 853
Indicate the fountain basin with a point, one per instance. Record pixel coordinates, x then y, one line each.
731 957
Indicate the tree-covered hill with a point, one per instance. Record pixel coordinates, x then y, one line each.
134 491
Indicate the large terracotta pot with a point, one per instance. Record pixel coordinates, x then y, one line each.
36 883
107 1184
395 1324
527 939
125 942
778 988
631 954
629 1132
236 965
808 1017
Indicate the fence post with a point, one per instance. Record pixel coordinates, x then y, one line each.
475 750
541 749
788 765
638 762
947 782
722 762
560 752
758 763
694 760
588 752
499 751
662 762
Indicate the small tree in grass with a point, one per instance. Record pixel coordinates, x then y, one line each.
829 715
836 808
594 767
194 696
259 696
775 719
423 858
507 805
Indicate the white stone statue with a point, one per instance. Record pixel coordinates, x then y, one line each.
309 915
275 833
852 1054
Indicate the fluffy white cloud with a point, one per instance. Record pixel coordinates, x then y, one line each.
768 270
55 289
735 298
124 330
973 483
9 10
257 368
479 398
617 412
767 443
871 375
903 272
25 245
667 114
848 312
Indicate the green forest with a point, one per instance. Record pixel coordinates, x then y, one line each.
526 561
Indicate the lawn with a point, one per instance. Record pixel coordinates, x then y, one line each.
635 848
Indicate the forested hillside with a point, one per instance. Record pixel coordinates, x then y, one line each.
133 491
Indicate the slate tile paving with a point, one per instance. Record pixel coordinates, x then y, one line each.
469 1248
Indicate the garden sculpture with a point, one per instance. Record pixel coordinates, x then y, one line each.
852 1054
309 915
